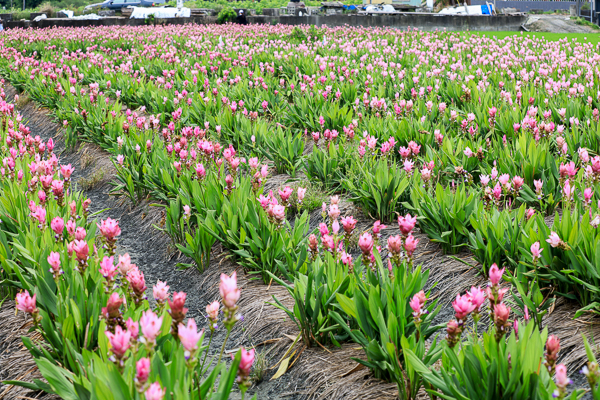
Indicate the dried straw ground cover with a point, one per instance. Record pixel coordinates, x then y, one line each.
209 212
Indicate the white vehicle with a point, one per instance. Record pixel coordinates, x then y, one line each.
379 9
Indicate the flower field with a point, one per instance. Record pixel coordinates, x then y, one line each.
356 213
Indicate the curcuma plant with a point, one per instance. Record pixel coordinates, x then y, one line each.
392 314
445 217
379 188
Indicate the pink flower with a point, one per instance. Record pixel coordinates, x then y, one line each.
348 223
410 244
463 306
301 194
160 291
477 297
81 249
200 171
246 361
554 239
229 291
468 152
54 261
136 279
119 341
285 193
365 242
323 230
150 325
109 228
26 303
66 171
587 194
155 392
517 182
561 378
107 268
538 185
334 211
501 313
57 225
189 337
279 213
583 155
124 264
394 245
133 327
536 251
80 233
346 259
377 228
113 304
142 370
212 310
495 274
503 179
407 224
416 305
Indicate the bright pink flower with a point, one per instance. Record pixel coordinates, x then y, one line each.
301 194
113 304
212 310
279 213
587 194
463 306
80 233
477 297
81 249
517 182
377 228
57 225
503 179
119 341
136 279
229 291
189 336
246 361
410 244
407 224
346 259
561 378
150 325
155 392
323 230
285 193
348 223
501 313
416 305
133 327
365 242
124 264
495 274
54 261
536 251
554 239
107 268
142 370
26 303
160 291
334 211
109 228
394 244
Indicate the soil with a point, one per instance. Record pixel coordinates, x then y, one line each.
557 24
316 373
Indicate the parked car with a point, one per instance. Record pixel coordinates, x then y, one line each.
119 4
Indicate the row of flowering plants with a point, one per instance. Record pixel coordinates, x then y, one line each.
99 333
478 151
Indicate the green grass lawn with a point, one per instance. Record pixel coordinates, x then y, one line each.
580 37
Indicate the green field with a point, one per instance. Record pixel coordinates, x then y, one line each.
580 37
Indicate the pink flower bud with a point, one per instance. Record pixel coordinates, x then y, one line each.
109 228
495 274
365 242
410 244
58 225
189 337
107 268
119 341
160 291
477 297
133 328
536 251
26 303
155 392
150 325
229 291
554 239
212 310
462 306
142 370
407 224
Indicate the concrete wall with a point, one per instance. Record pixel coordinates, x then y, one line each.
525 6
428 22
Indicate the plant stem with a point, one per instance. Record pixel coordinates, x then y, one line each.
206 353
224 343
